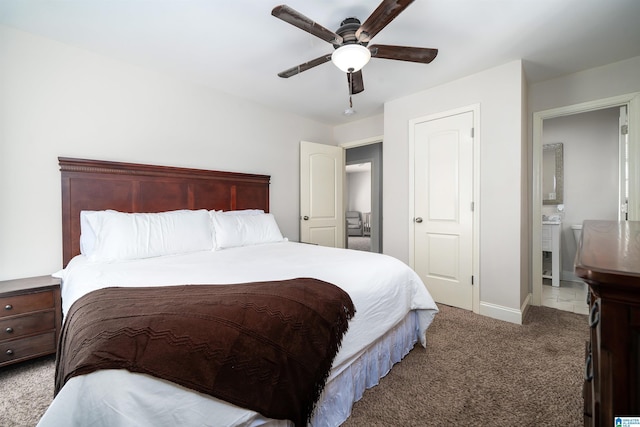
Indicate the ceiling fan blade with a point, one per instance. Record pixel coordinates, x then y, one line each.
380 18
403 53
355 81
304 67
297 19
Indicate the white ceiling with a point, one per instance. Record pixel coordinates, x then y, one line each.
236 46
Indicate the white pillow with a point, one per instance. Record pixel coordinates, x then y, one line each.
244 230
242 212
230 213
126 236
87 235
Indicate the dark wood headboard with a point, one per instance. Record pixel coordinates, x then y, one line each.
129 187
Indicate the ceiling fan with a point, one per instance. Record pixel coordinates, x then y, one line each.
351 41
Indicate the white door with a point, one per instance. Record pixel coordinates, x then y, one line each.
633 158
629 187
322 220
443 210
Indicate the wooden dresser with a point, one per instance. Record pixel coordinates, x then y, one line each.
30 318
608 259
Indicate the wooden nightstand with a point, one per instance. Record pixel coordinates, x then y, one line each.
30 318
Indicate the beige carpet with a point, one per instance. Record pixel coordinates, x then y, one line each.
476 371
26 390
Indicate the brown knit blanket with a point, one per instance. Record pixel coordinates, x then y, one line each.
264 346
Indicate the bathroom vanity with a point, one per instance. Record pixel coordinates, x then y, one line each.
551 243
608 259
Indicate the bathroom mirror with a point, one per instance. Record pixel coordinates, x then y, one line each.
552 174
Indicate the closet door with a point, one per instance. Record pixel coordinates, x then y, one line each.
443 213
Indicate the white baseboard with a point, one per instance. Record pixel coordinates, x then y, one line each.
507 314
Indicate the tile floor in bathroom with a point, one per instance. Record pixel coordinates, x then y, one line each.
569 296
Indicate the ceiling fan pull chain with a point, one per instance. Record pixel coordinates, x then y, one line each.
350 111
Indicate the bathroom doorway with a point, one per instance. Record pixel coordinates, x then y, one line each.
587 171
546 120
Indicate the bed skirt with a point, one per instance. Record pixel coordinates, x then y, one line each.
349 385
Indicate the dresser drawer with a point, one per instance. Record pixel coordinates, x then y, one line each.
25 348
19 304
28 324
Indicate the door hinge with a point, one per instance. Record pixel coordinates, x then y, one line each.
471 280
473 132
473 206
624 129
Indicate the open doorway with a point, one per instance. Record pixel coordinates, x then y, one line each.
581 207
587 183
364 197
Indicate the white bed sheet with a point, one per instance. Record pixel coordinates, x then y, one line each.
383 289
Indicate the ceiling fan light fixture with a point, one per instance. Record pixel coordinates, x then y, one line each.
351 57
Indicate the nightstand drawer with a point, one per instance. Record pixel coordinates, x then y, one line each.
19 304
30 318
26 348
28 324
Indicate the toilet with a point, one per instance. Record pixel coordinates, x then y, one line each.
577 233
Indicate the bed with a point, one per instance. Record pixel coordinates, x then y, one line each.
393 309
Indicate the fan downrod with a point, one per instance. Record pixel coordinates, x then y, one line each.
347 31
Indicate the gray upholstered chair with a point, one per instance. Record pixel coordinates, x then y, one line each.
354 223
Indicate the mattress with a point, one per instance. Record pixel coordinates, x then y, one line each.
393 311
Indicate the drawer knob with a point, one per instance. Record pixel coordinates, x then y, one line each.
8 307
588 369
9 352
9 330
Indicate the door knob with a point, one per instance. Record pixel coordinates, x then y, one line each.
306 218
418 220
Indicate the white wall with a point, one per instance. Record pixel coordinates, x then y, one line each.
360 129
590 146
359 191
499 92
619 78
57 100
525 200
